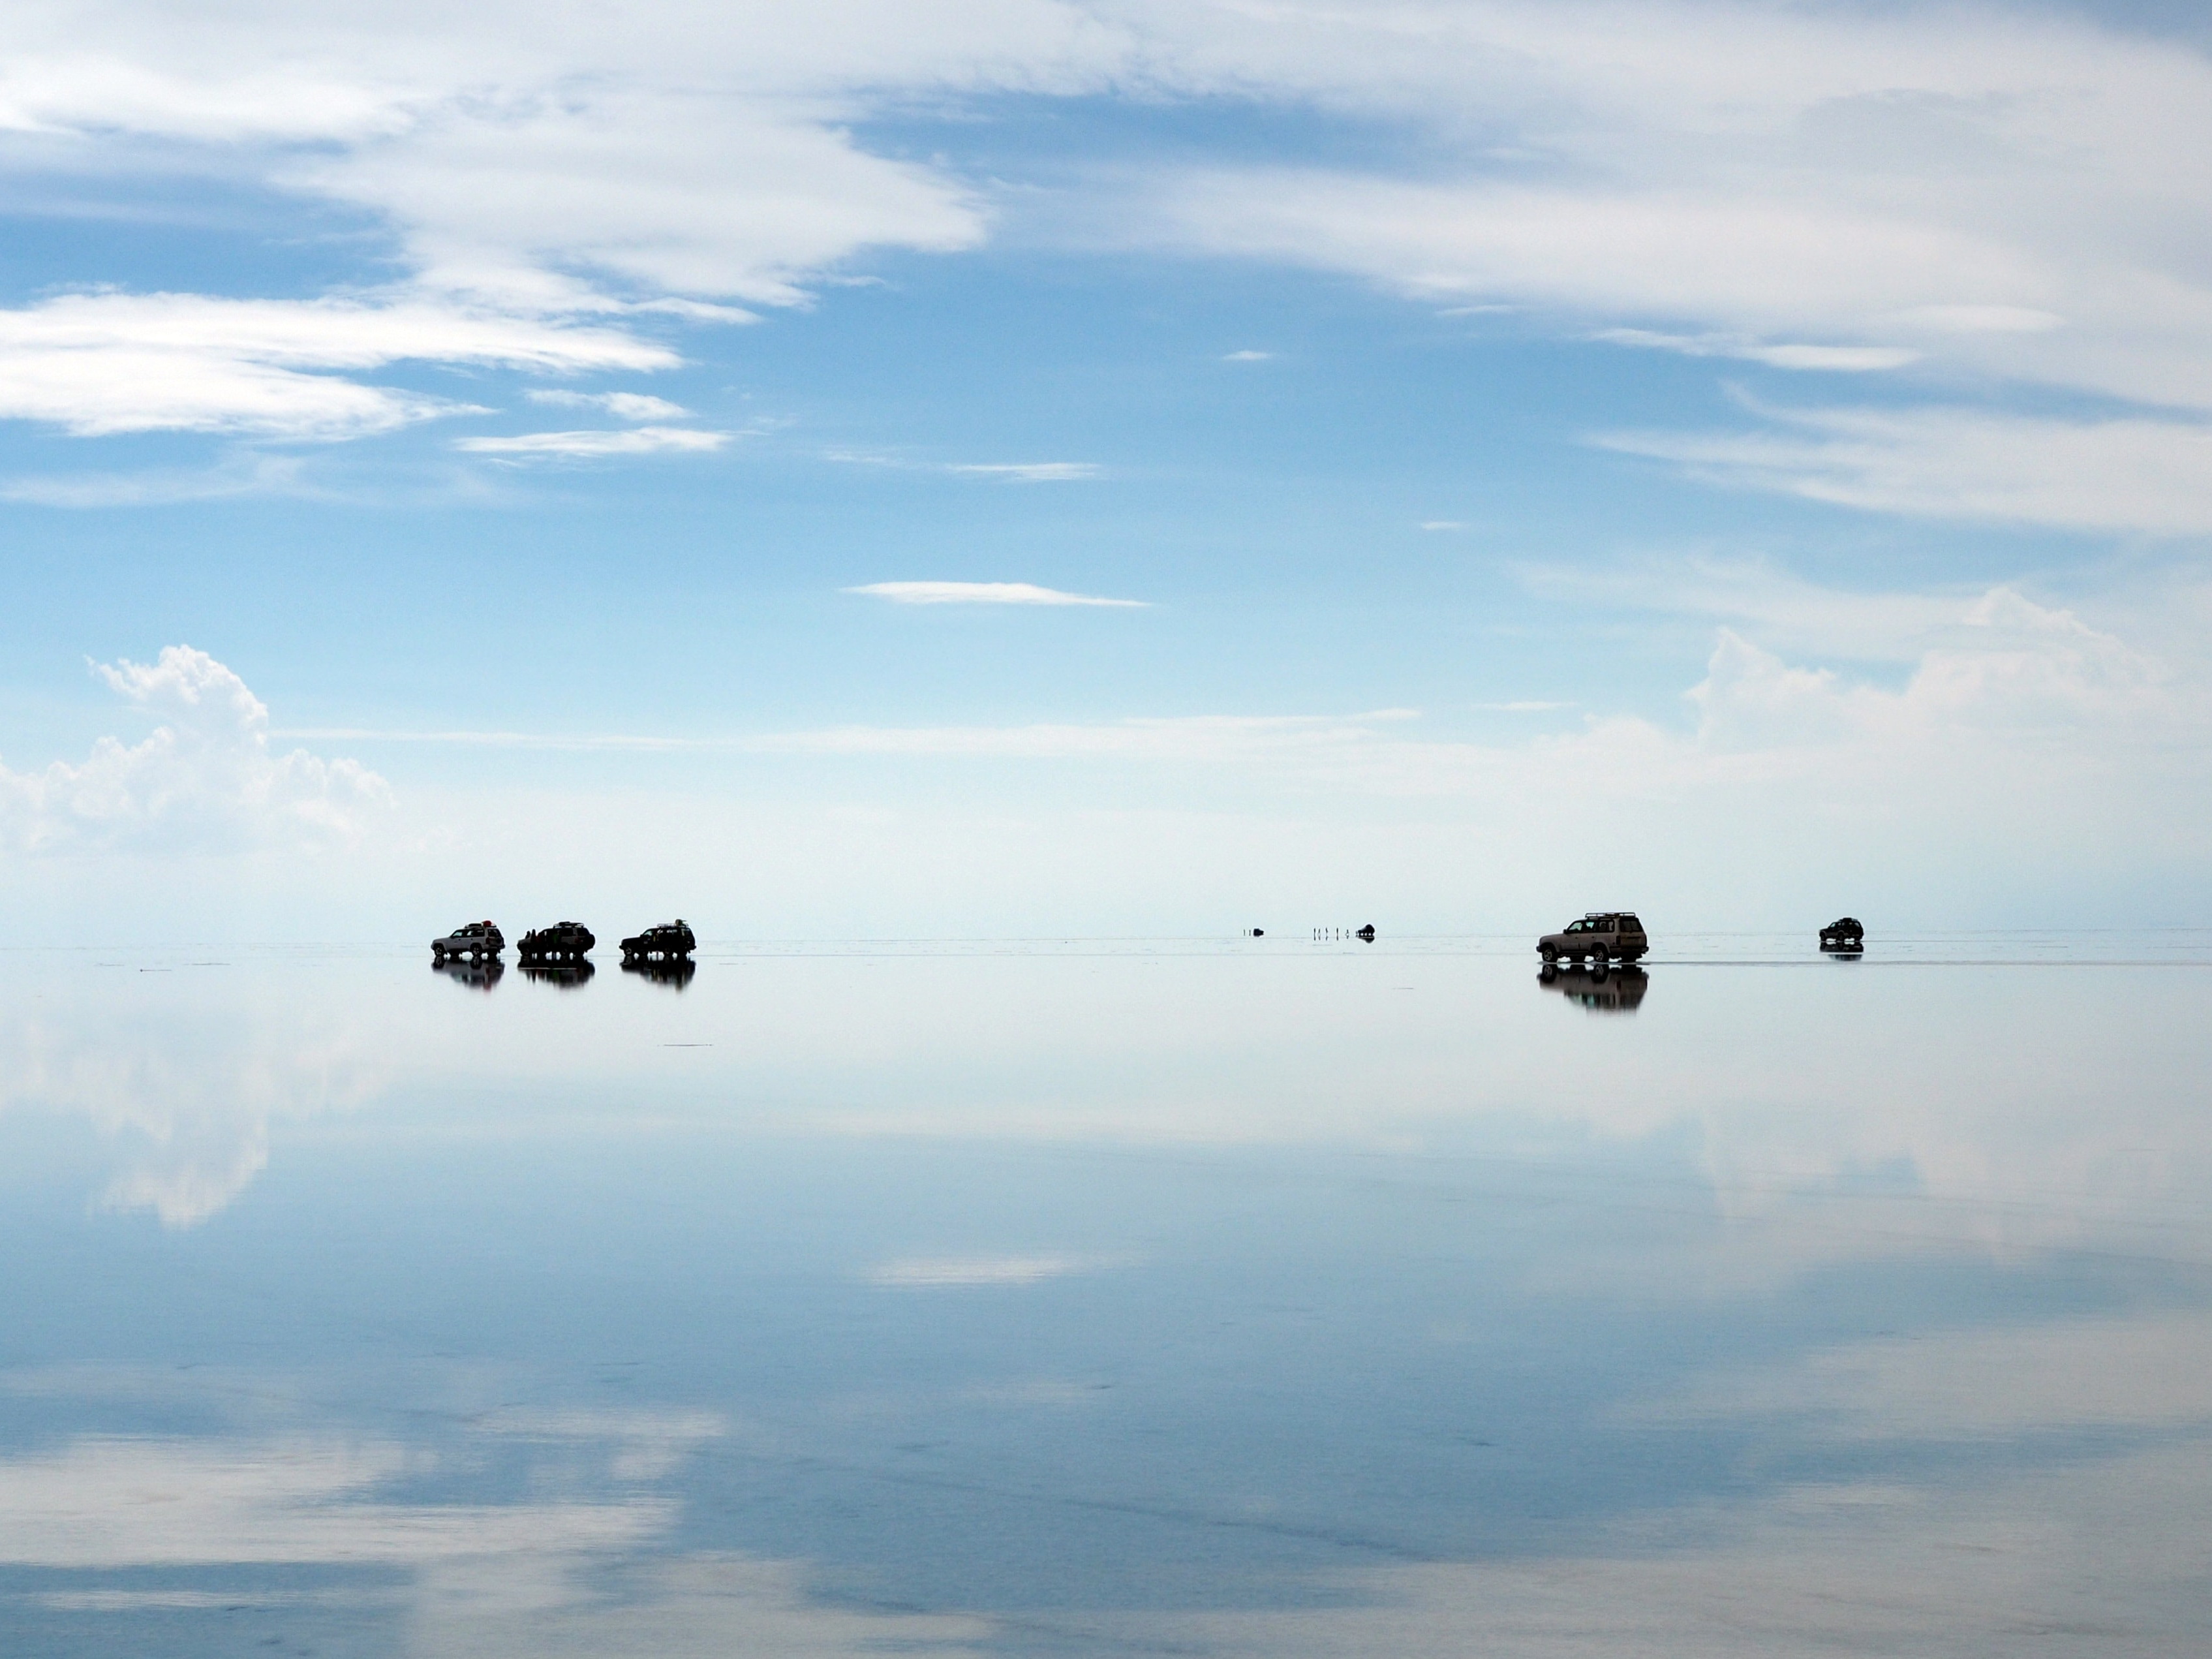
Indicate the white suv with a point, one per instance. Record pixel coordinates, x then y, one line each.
1600 936
475 939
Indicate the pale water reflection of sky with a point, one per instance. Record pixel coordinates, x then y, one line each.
1069 1297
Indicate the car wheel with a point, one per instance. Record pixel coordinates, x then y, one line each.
1551 957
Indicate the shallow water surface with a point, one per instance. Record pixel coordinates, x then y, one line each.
1102 1297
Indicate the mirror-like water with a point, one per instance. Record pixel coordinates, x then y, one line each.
1100 1296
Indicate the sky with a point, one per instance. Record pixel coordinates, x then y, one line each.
1016 466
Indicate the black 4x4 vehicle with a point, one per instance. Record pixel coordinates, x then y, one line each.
563 941
1600 936
667 941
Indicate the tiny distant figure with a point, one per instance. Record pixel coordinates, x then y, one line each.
1368 932
1255 932
1845 936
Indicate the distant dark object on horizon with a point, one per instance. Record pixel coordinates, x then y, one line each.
1368 932
564 941
1599 991
672 971
567 974
1846 936
1599 936
664 943
473 940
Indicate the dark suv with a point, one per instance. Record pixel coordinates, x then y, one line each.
1601 936
563 941
666 942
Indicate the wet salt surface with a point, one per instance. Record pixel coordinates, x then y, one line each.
1245 1297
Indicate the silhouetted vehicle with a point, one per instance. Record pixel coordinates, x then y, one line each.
675 972
1602 992
1847 934
1599 936
563 941
477 973
567 974
474 939
666 942
1368 932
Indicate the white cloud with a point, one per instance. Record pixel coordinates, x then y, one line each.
940 1272
1248 357
96 364
1030 471
624 405
1442 524
1840 359
1013 471
592 445
205 778
671 190
985 593
2144 474
1962 194
245 473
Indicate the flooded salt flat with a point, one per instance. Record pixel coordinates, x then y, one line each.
1066 1296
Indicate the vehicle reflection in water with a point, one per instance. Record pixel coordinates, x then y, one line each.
478 972
566 974
672 971
1616 991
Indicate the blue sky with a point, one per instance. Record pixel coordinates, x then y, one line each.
1744 461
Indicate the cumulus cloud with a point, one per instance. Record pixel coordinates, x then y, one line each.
204 779
593 446
985 593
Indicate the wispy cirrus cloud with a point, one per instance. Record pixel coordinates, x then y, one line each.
987 593
597 445
2145 473
1835 359
623 405
1028 472
1011 471
945 1273
99 364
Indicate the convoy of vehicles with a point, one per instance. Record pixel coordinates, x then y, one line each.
562 953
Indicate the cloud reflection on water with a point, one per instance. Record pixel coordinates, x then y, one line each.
1808 1311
